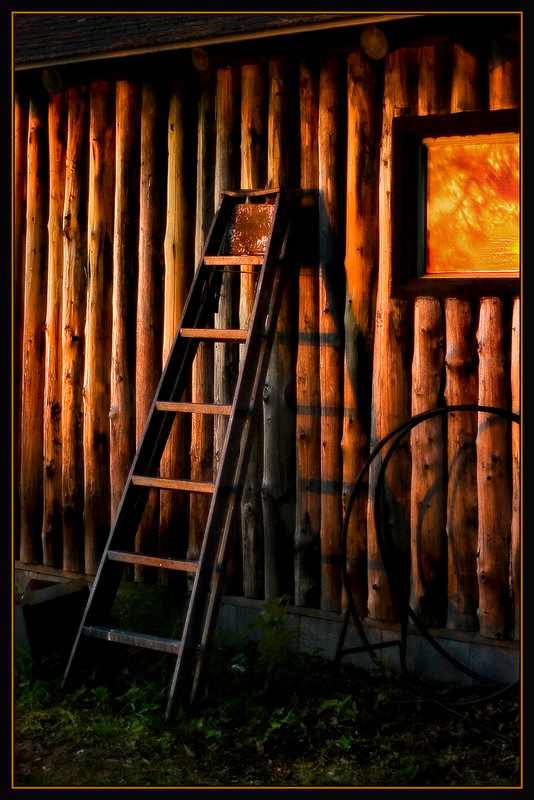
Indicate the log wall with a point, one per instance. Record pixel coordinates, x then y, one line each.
110 214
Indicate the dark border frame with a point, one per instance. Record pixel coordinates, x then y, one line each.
408 195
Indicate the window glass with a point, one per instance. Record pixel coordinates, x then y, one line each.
472 203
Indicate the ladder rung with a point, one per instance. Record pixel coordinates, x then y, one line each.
219 334
193 408
153 561
234 259
172 483
133 639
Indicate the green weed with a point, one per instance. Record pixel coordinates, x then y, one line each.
270 716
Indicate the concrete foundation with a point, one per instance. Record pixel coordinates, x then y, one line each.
316 631
319 632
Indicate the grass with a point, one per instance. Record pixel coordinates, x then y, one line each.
269 716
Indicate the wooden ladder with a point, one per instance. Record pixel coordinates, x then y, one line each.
249 231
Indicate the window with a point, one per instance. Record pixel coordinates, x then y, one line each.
456 210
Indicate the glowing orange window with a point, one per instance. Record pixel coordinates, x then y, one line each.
472 204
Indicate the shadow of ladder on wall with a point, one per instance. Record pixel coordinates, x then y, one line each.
250 231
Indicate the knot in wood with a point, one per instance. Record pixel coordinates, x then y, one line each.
50 468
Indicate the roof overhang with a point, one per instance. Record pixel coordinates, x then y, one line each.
49 39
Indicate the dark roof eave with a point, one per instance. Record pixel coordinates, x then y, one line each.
304 23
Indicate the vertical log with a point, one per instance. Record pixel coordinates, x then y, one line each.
466 79
461 388
202 425
174 506
253 129
331 294
252 177
73 321
516 470
427 497
308 506
504 76
226 356
125 253
494 480
364 86
279 153
434 86
226 148
495 513
149 288
205 187
429 569
391 365
278 487
201 446
52 529
226 361
33 336
96 391
19 217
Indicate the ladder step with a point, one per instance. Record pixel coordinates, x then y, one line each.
171 483
215 261
220 335
194 408
153 561
133 639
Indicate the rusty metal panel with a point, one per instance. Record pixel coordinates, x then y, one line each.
248 229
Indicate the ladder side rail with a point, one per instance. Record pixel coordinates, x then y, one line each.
175 375
159 423
205 281
247 396
155 435
203 603
157 429
101 597
226 478
235 453
195 305
242 443
227 523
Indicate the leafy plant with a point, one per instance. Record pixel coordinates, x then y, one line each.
277 661
272 716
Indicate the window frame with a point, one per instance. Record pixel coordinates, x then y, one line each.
409 205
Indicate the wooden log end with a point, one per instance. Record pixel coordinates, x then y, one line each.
373 42
200 59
